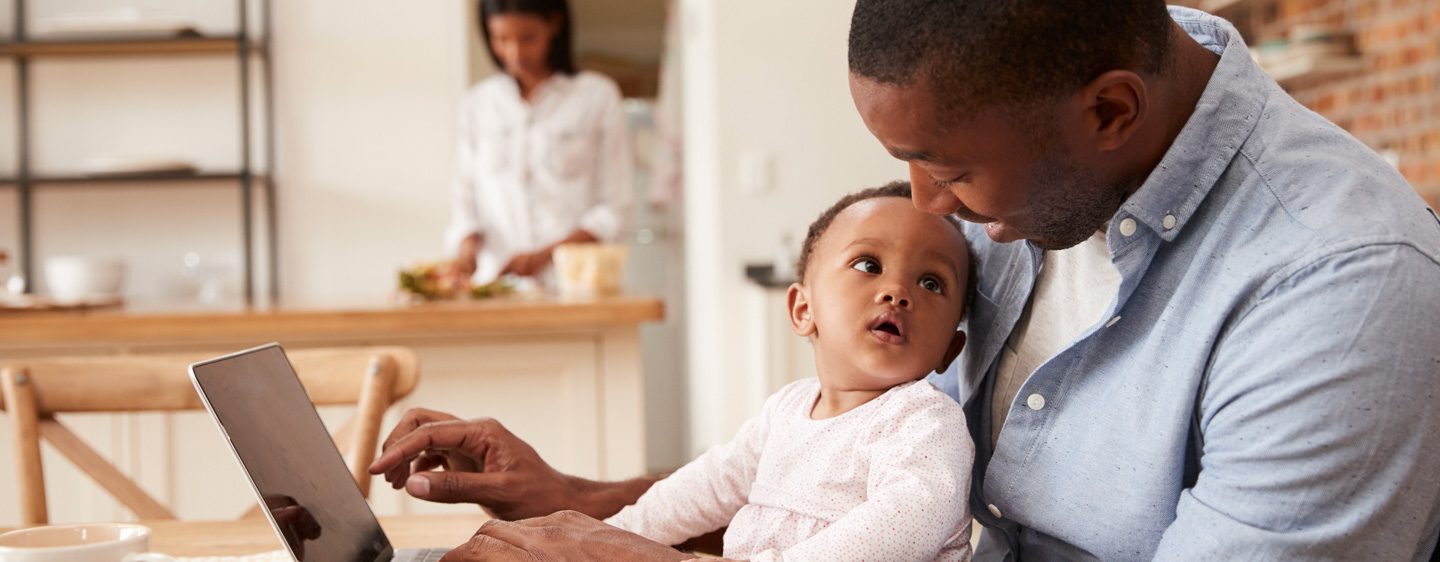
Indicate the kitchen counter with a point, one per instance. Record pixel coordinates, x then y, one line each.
151 325
565 375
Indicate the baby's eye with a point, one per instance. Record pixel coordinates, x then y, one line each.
930 284
868 266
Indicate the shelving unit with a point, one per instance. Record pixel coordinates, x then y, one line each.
242 46
1314 66
1214 6
1295 67
158 178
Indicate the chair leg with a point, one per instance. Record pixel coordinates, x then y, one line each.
24 417
374 400
120 486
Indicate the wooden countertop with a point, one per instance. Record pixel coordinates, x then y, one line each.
502 315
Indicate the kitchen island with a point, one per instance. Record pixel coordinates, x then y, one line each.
565 375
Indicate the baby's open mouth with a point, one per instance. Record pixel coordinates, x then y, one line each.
888 327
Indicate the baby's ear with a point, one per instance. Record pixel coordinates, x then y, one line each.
798 298
957 343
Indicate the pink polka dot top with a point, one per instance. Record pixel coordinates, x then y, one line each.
886 481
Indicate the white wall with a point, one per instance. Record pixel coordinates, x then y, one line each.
367 92
770 77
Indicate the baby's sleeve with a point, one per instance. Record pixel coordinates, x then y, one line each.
703 495
916 491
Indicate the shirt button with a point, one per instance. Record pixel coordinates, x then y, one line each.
996 512
1035 401
1112 321
1168 222
1127 227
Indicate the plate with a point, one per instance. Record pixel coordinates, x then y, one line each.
112 165
126 21
20 303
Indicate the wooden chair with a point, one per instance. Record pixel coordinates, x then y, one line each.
34 391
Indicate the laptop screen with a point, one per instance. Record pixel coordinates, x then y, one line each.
283 446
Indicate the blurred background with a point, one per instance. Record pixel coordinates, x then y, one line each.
352 119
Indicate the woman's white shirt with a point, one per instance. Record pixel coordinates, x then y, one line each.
532 172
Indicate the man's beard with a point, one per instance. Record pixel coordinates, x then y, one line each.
1068 206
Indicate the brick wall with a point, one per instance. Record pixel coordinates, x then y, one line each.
1393 104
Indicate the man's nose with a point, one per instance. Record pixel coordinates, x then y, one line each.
927 196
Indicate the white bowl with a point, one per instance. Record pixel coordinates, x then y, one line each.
87 542
75 278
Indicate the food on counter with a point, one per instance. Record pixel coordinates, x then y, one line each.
442 280
494 288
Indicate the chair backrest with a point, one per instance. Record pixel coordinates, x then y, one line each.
32 391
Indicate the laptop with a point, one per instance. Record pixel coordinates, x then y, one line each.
291 461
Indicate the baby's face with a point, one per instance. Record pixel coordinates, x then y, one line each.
884 293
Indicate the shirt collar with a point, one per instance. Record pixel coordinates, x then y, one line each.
1224 117
557 82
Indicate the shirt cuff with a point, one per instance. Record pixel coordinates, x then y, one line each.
457 232
602 223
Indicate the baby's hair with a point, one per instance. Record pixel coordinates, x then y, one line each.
899 189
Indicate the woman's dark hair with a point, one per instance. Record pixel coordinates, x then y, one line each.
561 59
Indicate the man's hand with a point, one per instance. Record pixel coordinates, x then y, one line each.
483 463
561 537
296 523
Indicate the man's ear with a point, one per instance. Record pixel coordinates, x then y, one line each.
798 299
957 343
1115 106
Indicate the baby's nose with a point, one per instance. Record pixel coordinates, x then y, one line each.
897 299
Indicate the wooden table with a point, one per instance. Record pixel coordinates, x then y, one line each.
254 535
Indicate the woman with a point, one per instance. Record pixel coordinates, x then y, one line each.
544 155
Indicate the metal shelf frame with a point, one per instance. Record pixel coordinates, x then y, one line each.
243 46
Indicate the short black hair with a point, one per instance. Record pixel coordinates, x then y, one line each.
980 54
899 189
562 56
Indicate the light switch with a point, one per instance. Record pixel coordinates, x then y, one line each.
756 173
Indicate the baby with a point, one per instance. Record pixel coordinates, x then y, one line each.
867 462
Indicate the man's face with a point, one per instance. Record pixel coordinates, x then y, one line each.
885 290
1022 184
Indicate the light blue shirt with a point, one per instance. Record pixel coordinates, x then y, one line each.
1289 276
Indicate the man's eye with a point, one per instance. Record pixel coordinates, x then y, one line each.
868 266
945 183
932 285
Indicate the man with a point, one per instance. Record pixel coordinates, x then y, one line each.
1216 341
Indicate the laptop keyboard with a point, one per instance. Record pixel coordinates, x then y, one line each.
417 555
421 555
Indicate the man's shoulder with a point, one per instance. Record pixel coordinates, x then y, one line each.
1313 189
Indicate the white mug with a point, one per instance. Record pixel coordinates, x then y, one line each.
85 542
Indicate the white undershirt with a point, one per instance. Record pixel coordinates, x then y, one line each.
1073 291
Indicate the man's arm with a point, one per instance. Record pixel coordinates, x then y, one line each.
485 464
1321 419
